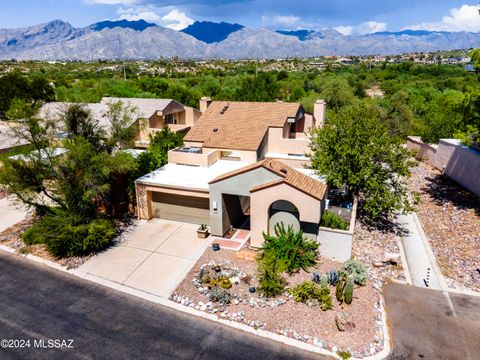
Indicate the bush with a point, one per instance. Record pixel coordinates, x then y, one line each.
305 291
66 235
217 294
295 250
356 269
308 290
270 281
333 221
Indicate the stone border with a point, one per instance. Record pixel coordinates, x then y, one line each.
212 317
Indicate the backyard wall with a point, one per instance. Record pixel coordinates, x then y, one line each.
423 152
458 162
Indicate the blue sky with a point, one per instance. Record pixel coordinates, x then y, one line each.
347 16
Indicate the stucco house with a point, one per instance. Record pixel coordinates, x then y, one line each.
151 115
242 166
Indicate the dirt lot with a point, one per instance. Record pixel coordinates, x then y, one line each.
282 314
450 217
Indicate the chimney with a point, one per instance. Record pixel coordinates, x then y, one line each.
319 109
205 103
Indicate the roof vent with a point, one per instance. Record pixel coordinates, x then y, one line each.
284 170
215 130
224 109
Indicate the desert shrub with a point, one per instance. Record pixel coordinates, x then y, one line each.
308 290
345 355
356 269
271 283
218 294
305 291
67 235
297 251
333 221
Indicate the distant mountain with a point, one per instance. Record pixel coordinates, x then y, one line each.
14 40
302 35
138 25
136 40
210 32
408 32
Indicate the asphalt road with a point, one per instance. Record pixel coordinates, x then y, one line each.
38 303
425 325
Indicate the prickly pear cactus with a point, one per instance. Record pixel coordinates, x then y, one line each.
349 290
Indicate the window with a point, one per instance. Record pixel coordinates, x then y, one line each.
171 119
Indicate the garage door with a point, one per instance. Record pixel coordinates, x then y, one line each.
188 209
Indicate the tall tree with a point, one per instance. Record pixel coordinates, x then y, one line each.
356 153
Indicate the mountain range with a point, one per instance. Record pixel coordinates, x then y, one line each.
111 40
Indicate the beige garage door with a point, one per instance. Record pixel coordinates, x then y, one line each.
188 209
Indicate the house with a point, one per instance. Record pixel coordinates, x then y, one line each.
151 115
242 166
8 139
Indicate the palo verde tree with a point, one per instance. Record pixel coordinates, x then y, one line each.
356 153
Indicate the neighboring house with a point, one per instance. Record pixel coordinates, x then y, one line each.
151 115
242 166
8 139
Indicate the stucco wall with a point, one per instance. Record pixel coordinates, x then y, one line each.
423 152
237 185
310 209
446 147
278 144
464 167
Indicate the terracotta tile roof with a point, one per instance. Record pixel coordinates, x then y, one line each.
287 174
241 126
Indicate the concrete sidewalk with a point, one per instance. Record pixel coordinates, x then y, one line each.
10 214
418 254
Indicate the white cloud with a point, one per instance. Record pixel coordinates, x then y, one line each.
134 14
367 27
464 18
174 19
287 20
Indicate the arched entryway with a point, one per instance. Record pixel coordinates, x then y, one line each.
283 211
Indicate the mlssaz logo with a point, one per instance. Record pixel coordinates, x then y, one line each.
53 344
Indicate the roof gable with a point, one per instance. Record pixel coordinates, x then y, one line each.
287 174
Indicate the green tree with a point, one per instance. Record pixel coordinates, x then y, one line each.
156 154
262 87
356 153
475 57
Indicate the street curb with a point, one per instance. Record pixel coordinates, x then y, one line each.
406 269
212 317
431 255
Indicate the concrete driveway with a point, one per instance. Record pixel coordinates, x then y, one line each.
10 214
154 256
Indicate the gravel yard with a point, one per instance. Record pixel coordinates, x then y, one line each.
451 220
282 314
11 237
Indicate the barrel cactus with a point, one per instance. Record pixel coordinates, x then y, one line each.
349 290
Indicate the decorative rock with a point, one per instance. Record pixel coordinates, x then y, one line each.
252 289
235 302
344 321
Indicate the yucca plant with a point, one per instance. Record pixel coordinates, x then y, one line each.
292 247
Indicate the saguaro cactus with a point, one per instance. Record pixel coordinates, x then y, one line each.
339 289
